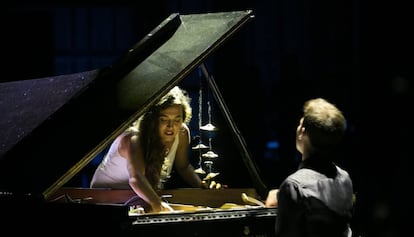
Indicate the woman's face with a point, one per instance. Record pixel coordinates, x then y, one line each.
170 122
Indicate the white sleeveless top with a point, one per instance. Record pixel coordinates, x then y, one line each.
112 172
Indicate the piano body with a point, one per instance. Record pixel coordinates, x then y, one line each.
54 127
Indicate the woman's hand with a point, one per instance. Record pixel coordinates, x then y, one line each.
163 207
166 207
211 184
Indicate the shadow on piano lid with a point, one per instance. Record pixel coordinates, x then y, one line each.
53 127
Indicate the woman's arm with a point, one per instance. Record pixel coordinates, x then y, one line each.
182 163
131 149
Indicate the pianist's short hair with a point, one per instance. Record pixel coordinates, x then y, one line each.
324 123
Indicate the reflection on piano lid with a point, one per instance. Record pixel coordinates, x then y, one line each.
53 127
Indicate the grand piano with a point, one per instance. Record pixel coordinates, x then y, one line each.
54 127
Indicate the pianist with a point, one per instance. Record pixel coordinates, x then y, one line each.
143 156
316 200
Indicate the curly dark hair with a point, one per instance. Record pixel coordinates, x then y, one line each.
147 128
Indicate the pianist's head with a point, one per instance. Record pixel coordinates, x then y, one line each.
320 129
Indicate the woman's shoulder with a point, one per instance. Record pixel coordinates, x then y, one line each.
184 129
184 126
126 140
184 132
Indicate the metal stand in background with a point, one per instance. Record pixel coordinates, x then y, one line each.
205 159
241 144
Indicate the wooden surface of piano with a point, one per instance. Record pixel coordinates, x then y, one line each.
44 123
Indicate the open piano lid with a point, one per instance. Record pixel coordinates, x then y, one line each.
57 125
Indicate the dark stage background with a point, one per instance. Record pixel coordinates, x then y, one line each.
355 54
